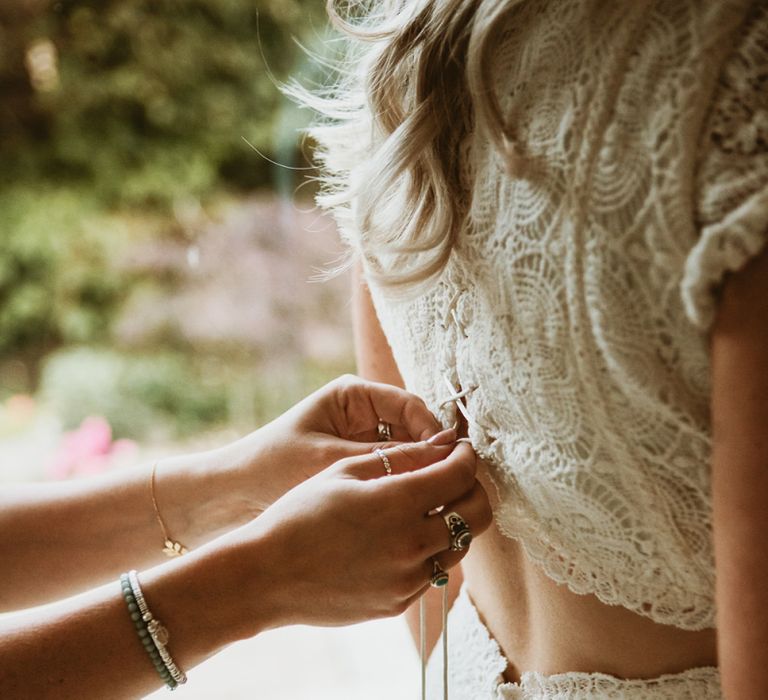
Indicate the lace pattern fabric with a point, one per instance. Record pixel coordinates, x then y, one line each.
578 300
477 666
732 191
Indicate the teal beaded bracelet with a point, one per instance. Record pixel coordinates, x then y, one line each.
144 634
158 633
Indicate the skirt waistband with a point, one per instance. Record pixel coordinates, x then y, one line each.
476 665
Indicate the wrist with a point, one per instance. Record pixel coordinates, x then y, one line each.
210 598
255 463
202 496
244 567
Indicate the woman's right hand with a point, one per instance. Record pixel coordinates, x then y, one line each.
352 543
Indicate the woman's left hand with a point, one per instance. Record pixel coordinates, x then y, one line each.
337 421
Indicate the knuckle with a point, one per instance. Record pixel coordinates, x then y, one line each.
345 382
418 403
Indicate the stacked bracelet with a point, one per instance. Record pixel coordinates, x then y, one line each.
151 632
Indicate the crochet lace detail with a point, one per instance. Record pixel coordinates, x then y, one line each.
577 302
694 684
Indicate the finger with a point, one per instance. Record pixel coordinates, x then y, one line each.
367 403
426 572
473 508
400 459
406 412
400 434
444 437
443 482
339 448
447 559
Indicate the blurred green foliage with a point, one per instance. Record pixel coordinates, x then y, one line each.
113 106
140 395
169 394
55 285
144 101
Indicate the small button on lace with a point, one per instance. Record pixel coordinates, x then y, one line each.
452 314
450 311
456 398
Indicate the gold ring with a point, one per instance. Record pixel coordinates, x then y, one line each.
384 431
383 457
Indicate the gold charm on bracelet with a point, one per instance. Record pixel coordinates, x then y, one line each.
171 548
174 549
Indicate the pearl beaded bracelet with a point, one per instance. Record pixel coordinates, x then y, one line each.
152 633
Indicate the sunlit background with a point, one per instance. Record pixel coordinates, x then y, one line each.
158 284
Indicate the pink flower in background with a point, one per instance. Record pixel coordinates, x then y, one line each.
88 450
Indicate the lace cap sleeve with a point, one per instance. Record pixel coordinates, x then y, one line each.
732 178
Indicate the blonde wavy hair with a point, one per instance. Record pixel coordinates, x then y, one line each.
416 83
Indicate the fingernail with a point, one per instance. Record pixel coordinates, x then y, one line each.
444 437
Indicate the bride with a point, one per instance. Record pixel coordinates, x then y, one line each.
559 212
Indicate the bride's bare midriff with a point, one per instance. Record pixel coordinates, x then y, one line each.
543 626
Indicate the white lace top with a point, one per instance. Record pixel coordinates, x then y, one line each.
578 303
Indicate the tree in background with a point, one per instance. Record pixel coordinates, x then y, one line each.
114 106
144 100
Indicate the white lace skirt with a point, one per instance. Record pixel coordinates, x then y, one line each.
476 665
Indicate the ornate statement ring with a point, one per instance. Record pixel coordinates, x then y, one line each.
461 536
439 576
384 431
385 460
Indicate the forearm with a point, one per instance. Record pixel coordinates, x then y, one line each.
372 352
740 480
60 538
742 571
281 568
740 503
87 646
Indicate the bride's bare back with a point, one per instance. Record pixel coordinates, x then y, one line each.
543 626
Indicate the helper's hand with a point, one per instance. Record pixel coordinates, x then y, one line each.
337 421
352 543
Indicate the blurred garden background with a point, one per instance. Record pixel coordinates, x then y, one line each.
158 287
155 270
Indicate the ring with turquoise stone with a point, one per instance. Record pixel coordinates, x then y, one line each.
439 576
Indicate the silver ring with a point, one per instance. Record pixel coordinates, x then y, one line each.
383 457
439 576
384 431
461 536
